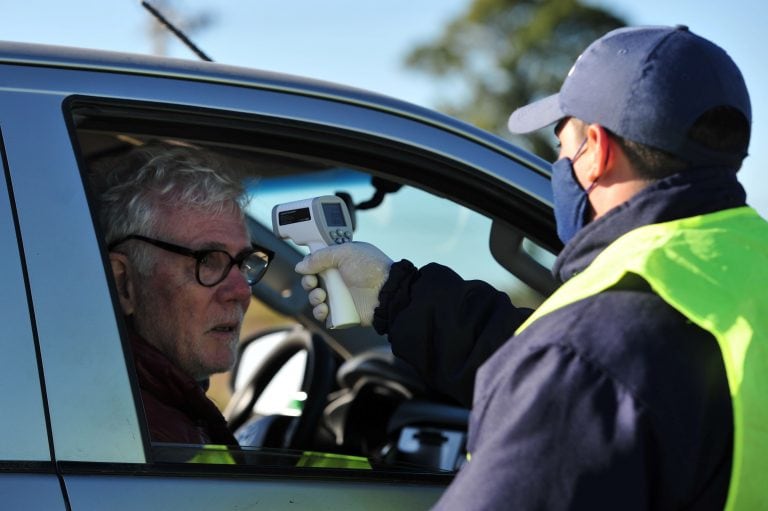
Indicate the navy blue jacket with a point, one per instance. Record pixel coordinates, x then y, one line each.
616 401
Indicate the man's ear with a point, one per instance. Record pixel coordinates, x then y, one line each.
122 272
601 143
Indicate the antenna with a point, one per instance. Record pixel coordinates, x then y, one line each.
178 33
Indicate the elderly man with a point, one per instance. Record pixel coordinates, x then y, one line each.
641 382
183 264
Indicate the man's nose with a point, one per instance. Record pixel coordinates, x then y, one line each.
235 286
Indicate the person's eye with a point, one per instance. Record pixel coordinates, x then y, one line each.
208 259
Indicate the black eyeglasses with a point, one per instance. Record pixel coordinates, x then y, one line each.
213 265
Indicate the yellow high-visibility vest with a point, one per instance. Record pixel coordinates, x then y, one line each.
713 269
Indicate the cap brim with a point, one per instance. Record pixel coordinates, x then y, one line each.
536 115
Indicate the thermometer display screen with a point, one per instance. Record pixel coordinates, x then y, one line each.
334 216
295 215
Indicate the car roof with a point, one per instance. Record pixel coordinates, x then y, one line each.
31 54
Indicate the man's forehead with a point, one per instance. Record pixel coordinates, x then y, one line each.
224 226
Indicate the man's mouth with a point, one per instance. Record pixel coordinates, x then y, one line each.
226 328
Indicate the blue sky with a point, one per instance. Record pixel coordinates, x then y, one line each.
363 43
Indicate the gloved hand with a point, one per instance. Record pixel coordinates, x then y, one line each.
363 267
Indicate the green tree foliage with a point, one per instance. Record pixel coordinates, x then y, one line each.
506 53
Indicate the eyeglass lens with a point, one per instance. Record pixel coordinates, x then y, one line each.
214 266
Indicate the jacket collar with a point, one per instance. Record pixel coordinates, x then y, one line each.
686 194
161 377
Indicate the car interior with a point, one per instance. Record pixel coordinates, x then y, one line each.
298 386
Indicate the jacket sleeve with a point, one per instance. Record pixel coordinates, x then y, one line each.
443 325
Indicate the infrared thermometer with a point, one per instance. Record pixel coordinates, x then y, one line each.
316 223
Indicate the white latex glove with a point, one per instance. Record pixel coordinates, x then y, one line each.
363 267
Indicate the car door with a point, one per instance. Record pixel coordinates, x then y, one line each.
86 112
28 477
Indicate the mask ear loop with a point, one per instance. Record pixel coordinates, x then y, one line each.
578 151
576 157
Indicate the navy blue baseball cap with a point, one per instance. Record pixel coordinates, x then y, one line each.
648 85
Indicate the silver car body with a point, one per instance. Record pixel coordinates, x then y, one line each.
72 431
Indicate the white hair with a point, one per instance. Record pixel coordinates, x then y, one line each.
156 177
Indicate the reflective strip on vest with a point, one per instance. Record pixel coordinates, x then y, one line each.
332 460
713 269
213 454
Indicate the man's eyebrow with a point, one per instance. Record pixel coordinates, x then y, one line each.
211 245
215 245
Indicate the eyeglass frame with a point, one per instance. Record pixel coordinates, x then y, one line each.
198 255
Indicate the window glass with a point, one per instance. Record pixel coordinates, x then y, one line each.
339 423
409 224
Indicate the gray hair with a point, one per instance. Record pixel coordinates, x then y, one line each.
162 176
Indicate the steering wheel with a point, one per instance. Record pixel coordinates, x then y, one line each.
318 381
